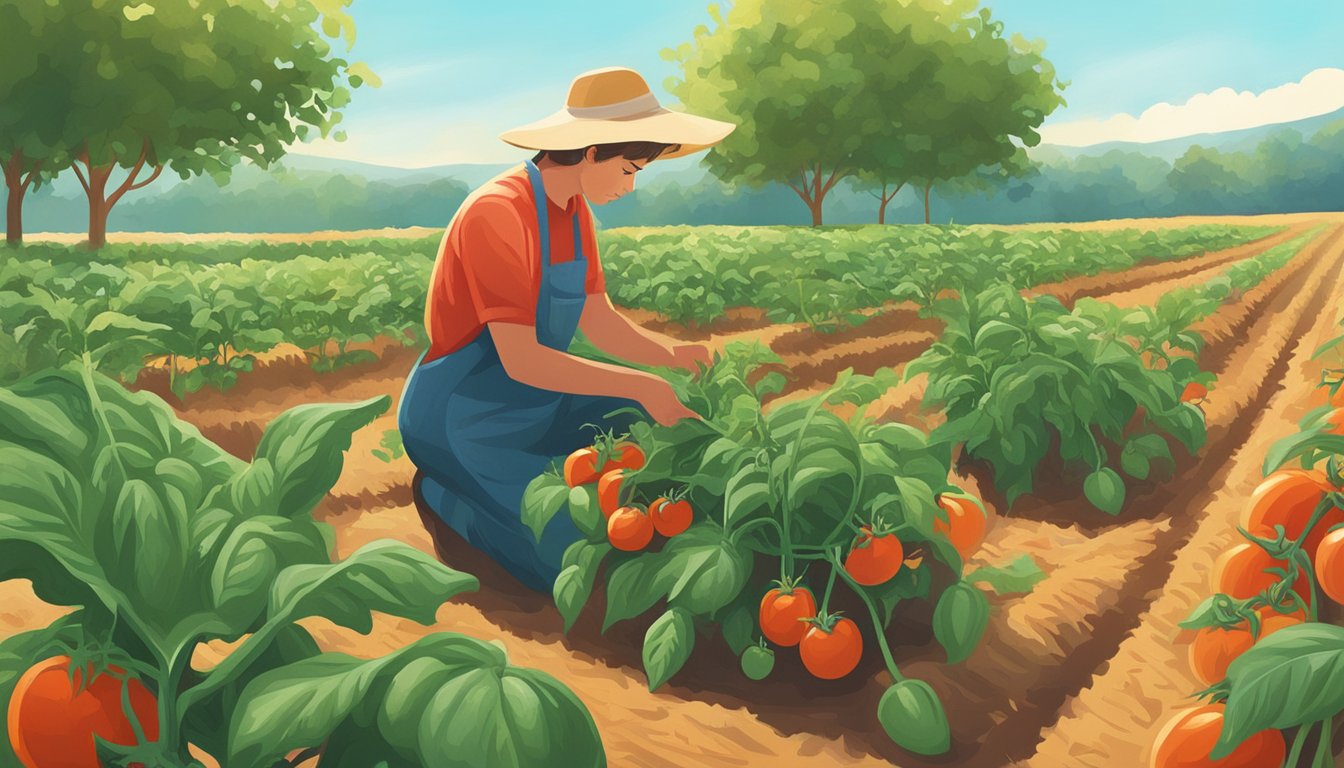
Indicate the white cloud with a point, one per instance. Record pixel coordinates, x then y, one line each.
1225 109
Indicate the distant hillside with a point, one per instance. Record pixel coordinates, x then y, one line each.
303 193
1226 141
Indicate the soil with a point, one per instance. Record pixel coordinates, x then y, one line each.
1082 671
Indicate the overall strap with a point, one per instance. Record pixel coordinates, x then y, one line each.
543 223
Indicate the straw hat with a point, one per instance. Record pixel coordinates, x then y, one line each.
614 104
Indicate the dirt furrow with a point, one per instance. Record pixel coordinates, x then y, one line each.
1125 704
1014 685
1165 272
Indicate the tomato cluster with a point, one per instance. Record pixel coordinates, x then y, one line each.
1295 527
630 526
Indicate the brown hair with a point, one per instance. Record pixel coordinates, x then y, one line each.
630 150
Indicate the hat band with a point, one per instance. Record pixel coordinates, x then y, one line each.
646 102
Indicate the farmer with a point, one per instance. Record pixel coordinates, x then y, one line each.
497 396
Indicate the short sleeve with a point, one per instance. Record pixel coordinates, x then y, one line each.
495 263
596 280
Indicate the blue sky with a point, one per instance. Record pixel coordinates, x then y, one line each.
457 74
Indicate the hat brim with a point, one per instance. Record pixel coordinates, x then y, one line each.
562 130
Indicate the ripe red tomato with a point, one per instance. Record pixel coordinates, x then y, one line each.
874 560
628 456
832 655
581 467
1241 572
671 517
629 529
1194 391
1330 565
966 524
52 727
1214 649
609 491
1287 498
782 613
1188 738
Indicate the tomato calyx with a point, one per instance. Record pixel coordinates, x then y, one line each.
824 621
787 584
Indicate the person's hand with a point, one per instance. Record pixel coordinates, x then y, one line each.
690 356
662 403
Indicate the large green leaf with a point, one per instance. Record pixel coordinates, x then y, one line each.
304 446
710 570
446 700
1292 677
251 555
574 584
384 575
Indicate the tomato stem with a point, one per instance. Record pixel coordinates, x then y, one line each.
878 629
1299 742
1324 749
830 581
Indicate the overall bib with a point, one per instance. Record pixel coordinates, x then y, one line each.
479 437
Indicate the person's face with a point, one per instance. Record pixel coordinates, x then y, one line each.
610 179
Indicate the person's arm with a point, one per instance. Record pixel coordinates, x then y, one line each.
613 333
530 362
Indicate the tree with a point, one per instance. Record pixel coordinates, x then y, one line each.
824 90
196 87
791 75
34 103
992 96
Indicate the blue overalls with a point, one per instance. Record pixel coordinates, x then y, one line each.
479 437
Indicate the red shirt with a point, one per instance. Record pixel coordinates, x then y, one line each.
489 264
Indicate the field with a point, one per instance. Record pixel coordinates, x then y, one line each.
1082 670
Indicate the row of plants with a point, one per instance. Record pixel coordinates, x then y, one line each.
206 323
691 274
161 541
1271 661
223 304
1100 389
763 520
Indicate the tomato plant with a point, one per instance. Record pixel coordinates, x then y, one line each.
791 491
162 541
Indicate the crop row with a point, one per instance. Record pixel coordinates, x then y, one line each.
1271 661
210 309
1099 389
822 278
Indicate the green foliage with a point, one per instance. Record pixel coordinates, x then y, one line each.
166 541
916 90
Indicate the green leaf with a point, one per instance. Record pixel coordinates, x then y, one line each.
384 575
738 626
913 717
544 497
710 570
585 512
202 723
575 583
253 553
959 620
149 543
1105 490
1292 677
1300 444
1140 451
667 645
1019 576
305 444
446 700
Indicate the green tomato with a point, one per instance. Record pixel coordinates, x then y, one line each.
757 662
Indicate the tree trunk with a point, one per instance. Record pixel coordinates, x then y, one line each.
17 185
882 210
927 187
95 186
813 191
98 207
14 214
